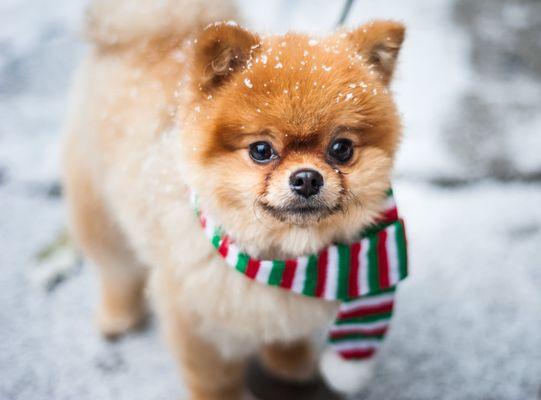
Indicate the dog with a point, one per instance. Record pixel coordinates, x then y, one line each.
287 142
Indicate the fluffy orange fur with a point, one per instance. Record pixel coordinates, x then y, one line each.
153 117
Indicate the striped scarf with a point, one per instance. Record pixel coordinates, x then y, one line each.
362 275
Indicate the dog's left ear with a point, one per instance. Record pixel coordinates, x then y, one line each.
379 43
221 50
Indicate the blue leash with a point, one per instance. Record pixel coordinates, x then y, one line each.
345 12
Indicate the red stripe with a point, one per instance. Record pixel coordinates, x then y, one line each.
364 311
357 353
252 268
353 288
224 246
362 331
390 215
321 272
203 221
289 274
383 263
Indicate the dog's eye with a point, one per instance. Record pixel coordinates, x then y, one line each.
262 152
341 150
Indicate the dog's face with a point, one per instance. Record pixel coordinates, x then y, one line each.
294 131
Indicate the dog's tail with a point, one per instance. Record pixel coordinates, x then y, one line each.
127 22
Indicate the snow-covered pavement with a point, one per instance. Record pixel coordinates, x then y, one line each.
467 324
468 320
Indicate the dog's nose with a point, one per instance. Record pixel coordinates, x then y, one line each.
306 182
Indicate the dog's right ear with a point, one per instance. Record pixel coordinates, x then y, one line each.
219 51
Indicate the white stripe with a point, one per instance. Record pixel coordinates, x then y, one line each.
209 227
383 298
389 203
232 255
359 344
331 281
193 198
300 275
360 325
264 271
363 267
392 255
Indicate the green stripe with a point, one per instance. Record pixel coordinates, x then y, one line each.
216 237
368 318
353 336
343 271
389 192
196 206
373 273
277 271
378 293
374 229
242 262
311 276
402 249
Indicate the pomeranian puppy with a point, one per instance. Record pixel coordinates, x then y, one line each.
288 143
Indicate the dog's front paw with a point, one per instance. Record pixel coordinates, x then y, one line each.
114 324
345 376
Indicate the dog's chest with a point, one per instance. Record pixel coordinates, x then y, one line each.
239 314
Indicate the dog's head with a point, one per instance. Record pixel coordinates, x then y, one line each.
293 132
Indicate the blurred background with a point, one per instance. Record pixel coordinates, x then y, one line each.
468 181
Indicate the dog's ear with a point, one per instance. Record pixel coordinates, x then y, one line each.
379 43
219 51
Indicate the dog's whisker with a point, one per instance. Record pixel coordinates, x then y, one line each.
255 209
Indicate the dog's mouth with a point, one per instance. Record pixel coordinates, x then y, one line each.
301 213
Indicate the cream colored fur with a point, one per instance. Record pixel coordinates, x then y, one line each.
122 22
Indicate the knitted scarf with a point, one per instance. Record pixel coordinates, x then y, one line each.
361 275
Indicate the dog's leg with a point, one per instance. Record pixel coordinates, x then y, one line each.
292 361
207 374
122 277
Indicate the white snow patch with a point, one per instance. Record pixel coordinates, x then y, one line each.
248 83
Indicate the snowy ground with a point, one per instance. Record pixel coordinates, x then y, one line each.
468 323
